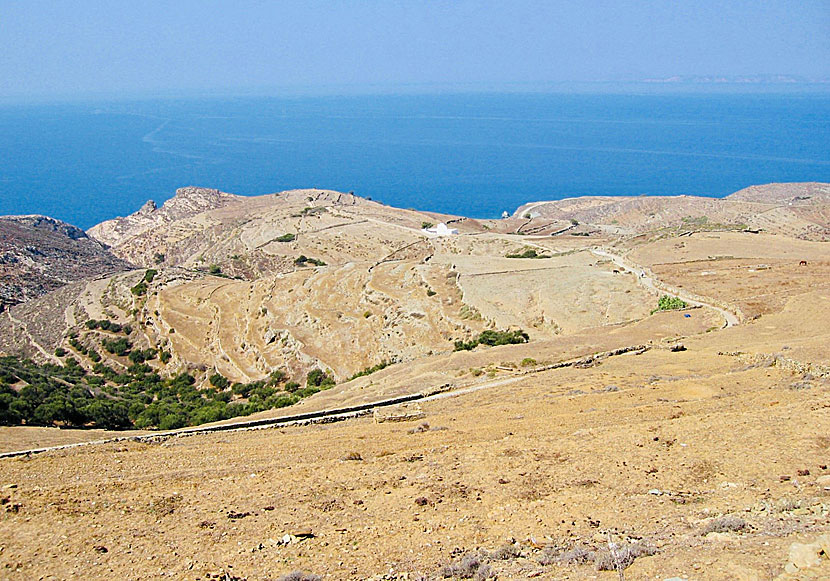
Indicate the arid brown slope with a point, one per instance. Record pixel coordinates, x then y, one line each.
797 210
714 456
39 254
658 447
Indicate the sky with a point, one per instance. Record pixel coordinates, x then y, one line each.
82 47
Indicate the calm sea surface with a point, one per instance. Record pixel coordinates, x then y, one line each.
475 155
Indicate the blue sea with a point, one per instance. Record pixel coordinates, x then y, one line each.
469 154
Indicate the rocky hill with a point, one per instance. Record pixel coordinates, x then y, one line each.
187 203
797 210
39 254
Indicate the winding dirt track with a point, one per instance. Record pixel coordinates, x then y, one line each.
646 279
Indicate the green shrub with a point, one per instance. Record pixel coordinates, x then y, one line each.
289 237
493 338
369 370
529 253
667 303
303 260
117 346
319 378
214 269
142 355
277 376
465 345
139 289
218 380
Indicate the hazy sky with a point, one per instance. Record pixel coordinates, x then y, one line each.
144 46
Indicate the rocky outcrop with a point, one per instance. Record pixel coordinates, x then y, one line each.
39 254
187 202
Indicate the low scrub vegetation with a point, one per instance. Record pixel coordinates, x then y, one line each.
303 260
309 211
289 237
105 325
369 370
529 253
493 338
725 524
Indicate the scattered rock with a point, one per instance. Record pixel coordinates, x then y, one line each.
804 555
100 549
234 515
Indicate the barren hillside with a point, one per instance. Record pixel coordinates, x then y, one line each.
620 441
39 254
797 210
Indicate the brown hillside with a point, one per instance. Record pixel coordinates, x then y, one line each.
618 442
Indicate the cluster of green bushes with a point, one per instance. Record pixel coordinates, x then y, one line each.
139 397
667 303
80 348
529 253
493 338
141 288
303 260
105 325
369 370
54 394
120 346
289 237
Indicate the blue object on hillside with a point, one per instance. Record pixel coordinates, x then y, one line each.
688 316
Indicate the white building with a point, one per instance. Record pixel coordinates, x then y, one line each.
440 230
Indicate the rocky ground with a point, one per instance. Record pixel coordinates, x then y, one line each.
40 254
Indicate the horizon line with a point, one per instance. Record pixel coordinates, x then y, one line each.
650 86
